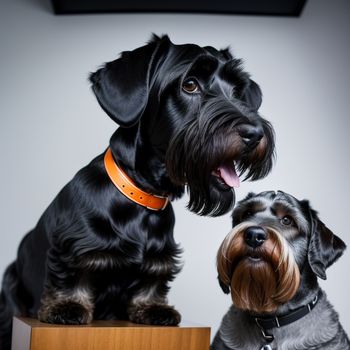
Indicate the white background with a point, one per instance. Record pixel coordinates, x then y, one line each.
51 124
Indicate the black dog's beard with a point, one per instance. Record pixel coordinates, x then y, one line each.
203 145
214 200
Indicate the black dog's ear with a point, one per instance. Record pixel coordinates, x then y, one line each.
226 53
122 86
252 95
324 246
225 288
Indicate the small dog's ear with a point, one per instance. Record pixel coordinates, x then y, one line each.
225 288
324 246
122 86
252 95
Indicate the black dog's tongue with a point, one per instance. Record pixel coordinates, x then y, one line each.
228 173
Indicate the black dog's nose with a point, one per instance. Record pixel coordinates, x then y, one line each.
255 236
251 135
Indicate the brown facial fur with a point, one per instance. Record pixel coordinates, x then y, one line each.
258 285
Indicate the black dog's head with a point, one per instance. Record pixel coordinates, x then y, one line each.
278 246
196 110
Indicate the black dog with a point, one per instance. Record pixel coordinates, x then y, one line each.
187 115
271 261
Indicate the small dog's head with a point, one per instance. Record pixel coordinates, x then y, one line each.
196 110
276 244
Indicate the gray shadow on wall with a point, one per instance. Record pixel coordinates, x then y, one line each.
43 5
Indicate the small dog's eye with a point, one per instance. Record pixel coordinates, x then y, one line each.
191 86
287 221
247 214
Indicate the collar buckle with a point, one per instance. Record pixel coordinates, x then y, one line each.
314 301
269 338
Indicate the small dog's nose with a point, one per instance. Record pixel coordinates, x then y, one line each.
251 135
255 236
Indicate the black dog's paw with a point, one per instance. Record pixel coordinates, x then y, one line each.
65 313
155 314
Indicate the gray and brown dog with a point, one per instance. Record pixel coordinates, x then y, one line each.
270 263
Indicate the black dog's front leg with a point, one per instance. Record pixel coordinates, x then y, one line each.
69 306
149 306
66 298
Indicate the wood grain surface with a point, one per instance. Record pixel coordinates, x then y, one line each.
31 334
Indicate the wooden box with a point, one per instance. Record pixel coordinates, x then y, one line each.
31 334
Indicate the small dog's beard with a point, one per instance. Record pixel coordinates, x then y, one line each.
203 145
259 286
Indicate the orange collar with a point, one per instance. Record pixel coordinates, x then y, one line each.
126 186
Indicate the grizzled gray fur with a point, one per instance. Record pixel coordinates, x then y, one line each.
314 248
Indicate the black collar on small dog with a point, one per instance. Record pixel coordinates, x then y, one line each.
265 323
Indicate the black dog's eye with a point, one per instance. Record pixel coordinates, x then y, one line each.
191 86
287 221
